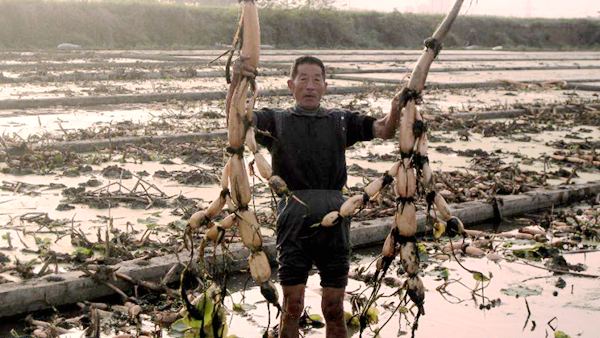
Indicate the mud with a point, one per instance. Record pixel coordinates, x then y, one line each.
63 209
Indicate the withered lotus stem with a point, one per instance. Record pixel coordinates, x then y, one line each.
264 168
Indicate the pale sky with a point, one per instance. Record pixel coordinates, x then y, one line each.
514 8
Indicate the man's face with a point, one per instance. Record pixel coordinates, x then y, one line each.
308 86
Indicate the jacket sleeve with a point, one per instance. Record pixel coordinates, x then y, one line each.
264 122
360 128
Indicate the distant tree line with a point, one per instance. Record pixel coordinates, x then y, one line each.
30 24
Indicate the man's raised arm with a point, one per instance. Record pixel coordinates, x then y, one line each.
385 127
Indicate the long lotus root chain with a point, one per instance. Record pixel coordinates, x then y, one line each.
409 173
415 168
235 185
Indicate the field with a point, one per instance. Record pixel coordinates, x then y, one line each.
106 153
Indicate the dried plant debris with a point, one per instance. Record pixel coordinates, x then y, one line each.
141 195
115 172
193 177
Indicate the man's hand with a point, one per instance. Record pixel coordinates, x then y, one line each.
242 68
385 127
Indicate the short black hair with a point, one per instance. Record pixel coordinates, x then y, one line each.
307 59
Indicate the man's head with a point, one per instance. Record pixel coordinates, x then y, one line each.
307 81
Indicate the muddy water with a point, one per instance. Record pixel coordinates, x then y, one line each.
103 88
50 120
511 152
491 75
465 64
89 219
576 307
573 309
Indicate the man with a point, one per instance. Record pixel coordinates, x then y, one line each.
307 143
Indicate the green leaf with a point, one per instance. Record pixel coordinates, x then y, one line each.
148 220
243 307
84 251
560 334
181 224
519 290
351 320
180 325
480 277
192 323
373 315
315 318
440 272
176 334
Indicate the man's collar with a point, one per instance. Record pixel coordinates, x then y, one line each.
300 111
